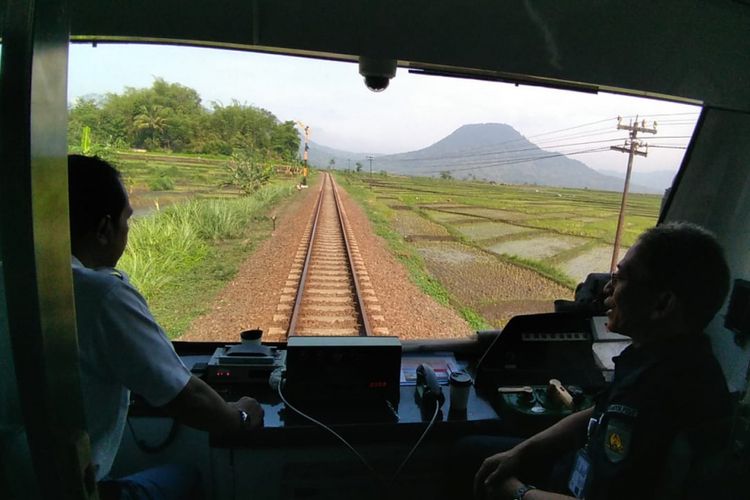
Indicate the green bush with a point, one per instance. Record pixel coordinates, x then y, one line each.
161 183
248 172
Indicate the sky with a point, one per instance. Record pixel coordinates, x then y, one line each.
412 113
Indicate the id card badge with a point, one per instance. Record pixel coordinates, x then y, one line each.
580 474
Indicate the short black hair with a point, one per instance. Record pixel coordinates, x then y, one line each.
94 191
688 260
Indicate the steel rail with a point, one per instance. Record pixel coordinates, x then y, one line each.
303 277
365 330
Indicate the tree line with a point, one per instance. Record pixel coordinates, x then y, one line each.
171 117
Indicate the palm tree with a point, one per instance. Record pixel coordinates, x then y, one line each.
152 121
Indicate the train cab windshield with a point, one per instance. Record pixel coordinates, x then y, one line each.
475 200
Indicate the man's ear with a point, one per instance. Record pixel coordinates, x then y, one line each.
104 230
665 305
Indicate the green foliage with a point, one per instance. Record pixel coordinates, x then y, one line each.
446 175
170 117
285 141
86 140
162 182
160 247
248 172
178 246
475 320
358 167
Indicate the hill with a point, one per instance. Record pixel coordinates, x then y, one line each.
489 151
658 180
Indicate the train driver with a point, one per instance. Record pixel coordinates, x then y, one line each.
664 409
122 348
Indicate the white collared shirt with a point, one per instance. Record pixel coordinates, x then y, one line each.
122 348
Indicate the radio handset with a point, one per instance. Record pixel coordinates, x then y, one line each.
428 390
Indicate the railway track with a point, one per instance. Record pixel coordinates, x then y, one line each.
328 291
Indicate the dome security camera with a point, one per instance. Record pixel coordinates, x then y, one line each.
377 72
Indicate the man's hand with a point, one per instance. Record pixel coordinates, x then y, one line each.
503 490
254 411
494 471
201 407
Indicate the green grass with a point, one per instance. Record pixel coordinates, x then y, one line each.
180 257
546 270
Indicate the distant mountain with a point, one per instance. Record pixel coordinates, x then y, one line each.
658 180
320 156
489 151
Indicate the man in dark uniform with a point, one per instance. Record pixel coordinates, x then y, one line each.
668 400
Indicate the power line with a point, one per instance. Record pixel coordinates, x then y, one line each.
518 160
509 151
467 153
574 127
481 151
665 114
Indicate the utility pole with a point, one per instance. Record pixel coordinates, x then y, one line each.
632 147
371 158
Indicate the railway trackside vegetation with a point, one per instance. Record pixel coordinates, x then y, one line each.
181 256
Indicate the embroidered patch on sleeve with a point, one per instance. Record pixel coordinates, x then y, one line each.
617 439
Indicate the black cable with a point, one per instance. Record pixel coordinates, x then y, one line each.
336 434
156 448
419 441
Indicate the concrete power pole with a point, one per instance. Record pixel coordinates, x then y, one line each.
631 147
370 158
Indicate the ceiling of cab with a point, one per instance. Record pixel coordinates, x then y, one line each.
693 49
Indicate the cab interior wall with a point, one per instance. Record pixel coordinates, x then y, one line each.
714 191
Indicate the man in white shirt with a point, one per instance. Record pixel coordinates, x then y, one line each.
122 348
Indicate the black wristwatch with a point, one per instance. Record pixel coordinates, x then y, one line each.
522 490
244 418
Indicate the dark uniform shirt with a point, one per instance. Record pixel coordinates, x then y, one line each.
661 394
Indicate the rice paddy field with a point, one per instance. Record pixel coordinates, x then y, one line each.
158 180
502 250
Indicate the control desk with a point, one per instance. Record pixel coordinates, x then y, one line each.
292 457
512 380
363 422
